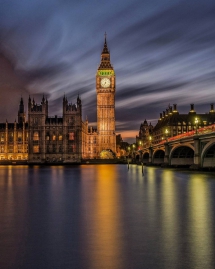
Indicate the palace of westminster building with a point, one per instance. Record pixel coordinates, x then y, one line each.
65 139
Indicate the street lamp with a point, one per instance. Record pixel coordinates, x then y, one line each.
150 140
196 123
166 134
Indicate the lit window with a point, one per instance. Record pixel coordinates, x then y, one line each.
60 137
71 136
54 137
36 149
36 136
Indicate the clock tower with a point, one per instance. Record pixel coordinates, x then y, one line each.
105 88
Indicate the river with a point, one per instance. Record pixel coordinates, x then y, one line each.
106 216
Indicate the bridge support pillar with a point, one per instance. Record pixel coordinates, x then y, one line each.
150 154
166 157
197 154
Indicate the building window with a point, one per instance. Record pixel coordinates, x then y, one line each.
19 136
54 148
36 136
60 137
36 149
71 136
54 137
10 137
70 148
2 137
10 149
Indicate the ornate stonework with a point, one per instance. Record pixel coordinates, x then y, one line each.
105 88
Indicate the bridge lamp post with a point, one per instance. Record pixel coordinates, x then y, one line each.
196 123
150 141
166 134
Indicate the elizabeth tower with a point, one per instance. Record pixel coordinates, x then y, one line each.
105 87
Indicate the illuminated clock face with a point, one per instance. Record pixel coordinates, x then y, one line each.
105 82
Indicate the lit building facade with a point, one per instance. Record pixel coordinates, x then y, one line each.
172 123
105 88
65 139
14 138
146 130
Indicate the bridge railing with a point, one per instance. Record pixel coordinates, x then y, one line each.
203 130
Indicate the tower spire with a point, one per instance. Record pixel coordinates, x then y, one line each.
105 56
105 48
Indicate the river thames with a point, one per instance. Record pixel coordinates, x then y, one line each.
106 216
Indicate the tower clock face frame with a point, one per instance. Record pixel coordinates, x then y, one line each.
105 82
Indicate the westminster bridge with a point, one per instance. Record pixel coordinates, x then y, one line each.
194 148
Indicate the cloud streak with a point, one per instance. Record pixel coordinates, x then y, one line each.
161 51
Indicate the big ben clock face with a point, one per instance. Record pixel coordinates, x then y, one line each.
105 82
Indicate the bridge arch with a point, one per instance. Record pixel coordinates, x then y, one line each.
145 157
208 154
158 156
182 155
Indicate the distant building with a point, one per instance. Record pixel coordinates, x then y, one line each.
172 123
145 132
121 146
14 138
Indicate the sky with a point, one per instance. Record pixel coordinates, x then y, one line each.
162 52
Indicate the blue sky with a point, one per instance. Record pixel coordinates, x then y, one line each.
162 52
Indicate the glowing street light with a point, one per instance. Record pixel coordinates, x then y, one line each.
196 123
166 134
150 140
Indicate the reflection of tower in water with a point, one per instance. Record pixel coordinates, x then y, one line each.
104 227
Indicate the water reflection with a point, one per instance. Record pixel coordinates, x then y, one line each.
169 219
200 222
104 226
106 216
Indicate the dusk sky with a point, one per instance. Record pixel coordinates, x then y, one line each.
163 52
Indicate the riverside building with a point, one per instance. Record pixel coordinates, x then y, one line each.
65 139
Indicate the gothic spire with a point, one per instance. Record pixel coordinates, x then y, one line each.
105 57
105 48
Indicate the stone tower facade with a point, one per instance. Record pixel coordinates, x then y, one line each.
54 139
105 88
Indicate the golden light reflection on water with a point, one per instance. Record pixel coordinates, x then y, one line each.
169 218
200 227
104 230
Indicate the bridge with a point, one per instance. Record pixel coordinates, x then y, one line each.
195 149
